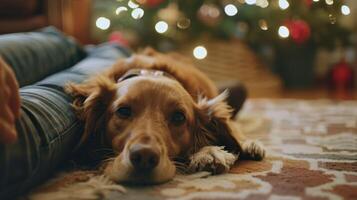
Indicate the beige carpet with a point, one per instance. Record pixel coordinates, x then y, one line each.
312 154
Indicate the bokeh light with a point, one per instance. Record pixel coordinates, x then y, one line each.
183 23
263 24
262 3
230 10
284 4
121 9
133 5
329 2
345 10
200 52
251 2
283 32
161 27
102 23
137 13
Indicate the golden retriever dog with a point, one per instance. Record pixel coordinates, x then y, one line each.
159 115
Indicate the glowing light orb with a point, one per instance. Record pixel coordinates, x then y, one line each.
251 2
283 32
102 23
230 10
137 13
161 27
132 4
284 4
329 2
262 3
345 10
200 52
120 9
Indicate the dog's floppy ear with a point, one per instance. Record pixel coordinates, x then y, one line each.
149 51
92 100
214 125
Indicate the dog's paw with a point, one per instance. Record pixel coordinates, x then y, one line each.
253 150
212 158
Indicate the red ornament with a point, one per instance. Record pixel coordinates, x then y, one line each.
341 76
117 37
308 3
299 30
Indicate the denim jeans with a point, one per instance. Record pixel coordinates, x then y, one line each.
48 129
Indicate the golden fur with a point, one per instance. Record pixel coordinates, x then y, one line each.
152 102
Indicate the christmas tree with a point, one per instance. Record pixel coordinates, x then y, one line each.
292 29
152 22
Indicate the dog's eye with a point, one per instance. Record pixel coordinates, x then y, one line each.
124 112
178 118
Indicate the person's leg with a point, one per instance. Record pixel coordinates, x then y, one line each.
29 152
47 129
47 132
36 55
35 137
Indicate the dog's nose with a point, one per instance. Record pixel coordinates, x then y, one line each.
143 158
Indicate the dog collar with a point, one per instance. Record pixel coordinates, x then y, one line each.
144 72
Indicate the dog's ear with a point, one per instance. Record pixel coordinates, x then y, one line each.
149 51
92 100
80 92
214 125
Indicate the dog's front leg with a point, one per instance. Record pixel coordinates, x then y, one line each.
212 158
253 150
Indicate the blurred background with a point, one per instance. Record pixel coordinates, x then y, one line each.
277 48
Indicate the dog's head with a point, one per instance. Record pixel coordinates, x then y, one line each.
150 122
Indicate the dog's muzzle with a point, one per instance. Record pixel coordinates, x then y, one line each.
143 157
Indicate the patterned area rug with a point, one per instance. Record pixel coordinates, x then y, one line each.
312 154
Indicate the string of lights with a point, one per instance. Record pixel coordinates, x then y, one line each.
170 19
